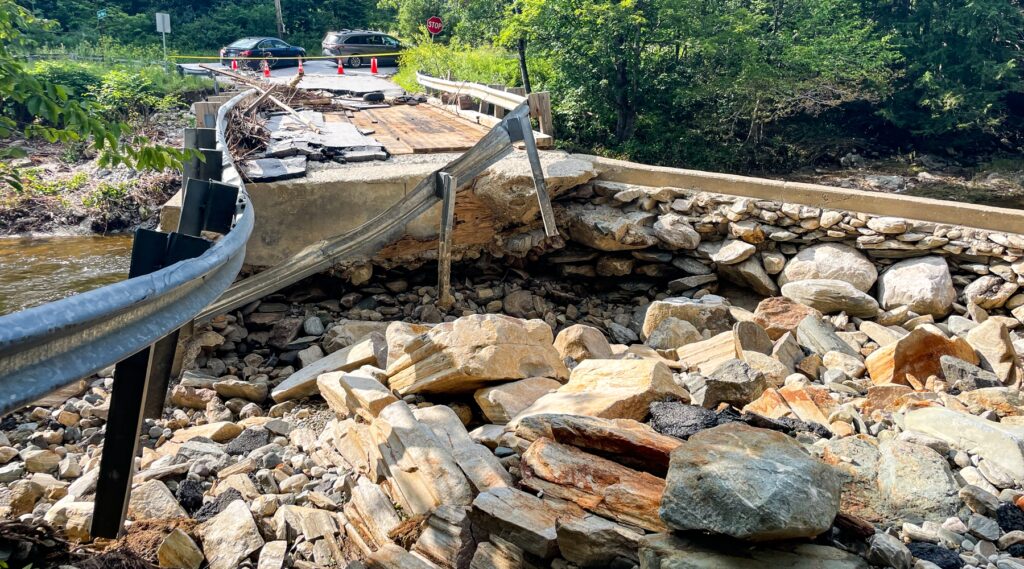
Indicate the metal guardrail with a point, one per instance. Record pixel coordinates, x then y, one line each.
390 224
50 346
178 276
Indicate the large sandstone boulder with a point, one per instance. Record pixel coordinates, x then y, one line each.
673 333
473 351
579 342
733 382
610 389
923 285
992 341
989 292
397 335
230 537
750 273
831 295
344 333
916 483
917 354
778 315
1001 444
507 188
369 351
503 402
676 232
708 313
670 551
749 483
833 261
607 228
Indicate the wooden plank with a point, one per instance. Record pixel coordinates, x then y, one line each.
444 252
487 121
382 132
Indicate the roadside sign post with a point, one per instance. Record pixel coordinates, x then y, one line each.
434 26
163 27
100 15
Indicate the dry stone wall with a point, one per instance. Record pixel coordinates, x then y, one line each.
825 258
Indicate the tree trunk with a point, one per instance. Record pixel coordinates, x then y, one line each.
522 65
625 114
280 19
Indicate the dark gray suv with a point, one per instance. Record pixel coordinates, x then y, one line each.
359 46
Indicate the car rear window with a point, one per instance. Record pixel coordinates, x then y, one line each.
245 42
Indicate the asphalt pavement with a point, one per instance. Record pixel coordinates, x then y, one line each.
323 74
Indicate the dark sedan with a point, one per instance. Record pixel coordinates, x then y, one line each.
277 52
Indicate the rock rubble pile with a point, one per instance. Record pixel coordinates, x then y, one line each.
863 411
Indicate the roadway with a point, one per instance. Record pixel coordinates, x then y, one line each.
321 74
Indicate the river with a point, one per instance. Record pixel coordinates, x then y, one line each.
35 270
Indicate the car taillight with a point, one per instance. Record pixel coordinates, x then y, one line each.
245 53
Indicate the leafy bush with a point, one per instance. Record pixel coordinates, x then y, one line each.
76 78
125 96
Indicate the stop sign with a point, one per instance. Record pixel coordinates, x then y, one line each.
434 25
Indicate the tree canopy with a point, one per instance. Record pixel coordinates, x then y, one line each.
726 84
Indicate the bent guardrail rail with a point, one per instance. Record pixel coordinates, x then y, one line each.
133 323
390 224
50 346
177 277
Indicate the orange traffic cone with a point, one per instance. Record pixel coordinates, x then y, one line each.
301 70
234 65
266 68
341 70
373 65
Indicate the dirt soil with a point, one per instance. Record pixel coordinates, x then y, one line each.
67 192
145 537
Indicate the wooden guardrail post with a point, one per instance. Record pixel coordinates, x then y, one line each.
540 109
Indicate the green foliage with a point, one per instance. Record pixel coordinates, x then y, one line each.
34 183
962 60
198 26
126 96
108 195
76 79
38 107
486 65
719 84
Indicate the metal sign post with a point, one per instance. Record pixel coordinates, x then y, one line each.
163 27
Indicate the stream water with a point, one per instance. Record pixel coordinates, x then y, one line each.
35 270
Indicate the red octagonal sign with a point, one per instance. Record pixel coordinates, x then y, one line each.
434 25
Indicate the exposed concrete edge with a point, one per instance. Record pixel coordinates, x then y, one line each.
877 203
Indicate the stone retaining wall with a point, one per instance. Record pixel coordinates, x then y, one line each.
698 236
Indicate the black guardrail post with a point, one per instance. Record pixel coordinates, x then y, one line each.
206 206
211 167
151 251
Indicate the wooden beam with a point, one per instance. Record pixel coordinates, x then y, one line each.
540 108
448 185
